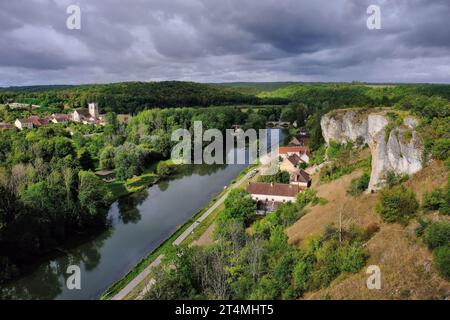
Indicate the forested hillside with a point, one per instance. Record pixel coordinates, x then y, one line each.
132 97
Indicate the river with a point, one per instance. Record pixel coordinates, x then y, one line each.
139 224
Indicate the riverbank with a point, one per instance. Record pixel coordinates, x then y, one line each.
180 236
122 188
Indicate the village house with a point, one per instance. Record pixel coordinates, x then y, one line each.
31 122
301 178
22 124
60 118
291 163
294 142
124 118
269 196
6 126
302 152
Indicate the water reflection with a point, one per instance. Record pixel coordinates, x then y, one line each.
128 207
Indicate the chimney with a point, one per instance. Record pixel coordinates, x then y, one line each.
271 184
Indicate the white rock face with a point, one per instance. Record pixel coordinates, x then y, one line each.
401 152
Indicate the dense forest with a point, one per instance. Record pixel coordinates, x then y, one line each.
133 97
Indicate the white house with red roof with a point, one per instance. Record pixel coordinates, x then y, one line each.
303 152
269 196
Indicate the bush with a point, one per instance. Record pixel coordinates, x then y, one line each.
359 185
442 260
164 168
352 258
393 179
304 198
437 234
433 201
441 148
397 204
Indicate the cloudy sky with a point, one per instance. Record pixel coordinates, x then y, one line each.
223 41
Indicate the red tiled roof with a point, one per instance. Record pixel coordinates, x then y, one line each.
273 189
25 121
294 149
34 120
60 117
6 126
294 142
83 112
302 176
294 159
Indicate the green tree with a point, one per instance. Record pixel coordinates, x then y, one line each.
129 160
359 185
107 157
397 204
437 234
85 159
239 205
94 198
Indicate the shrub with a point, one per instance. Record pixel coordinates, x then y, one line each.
433 201
352 258
442 260
397 204
359 185
164 168
441 148
437 234
421 227
304 198
393 179
445 205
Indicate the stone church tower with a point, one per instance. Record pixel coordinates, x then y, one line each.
93 110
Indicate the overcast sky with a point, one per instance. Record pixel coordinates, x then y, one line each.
223 41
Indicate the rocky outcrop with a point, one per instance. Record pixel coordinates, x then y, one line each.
394 147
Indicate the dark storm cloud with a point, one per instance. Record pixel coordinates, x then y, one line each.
228 40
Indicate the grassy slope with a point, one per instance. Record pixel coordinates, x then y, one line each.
405 262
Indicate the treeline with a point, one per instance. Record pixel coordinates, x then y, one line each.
132 97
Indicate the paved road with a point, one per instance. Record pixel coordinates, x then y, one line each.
144 274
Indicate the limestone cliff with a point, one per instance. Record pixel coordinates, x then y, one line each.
394 147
